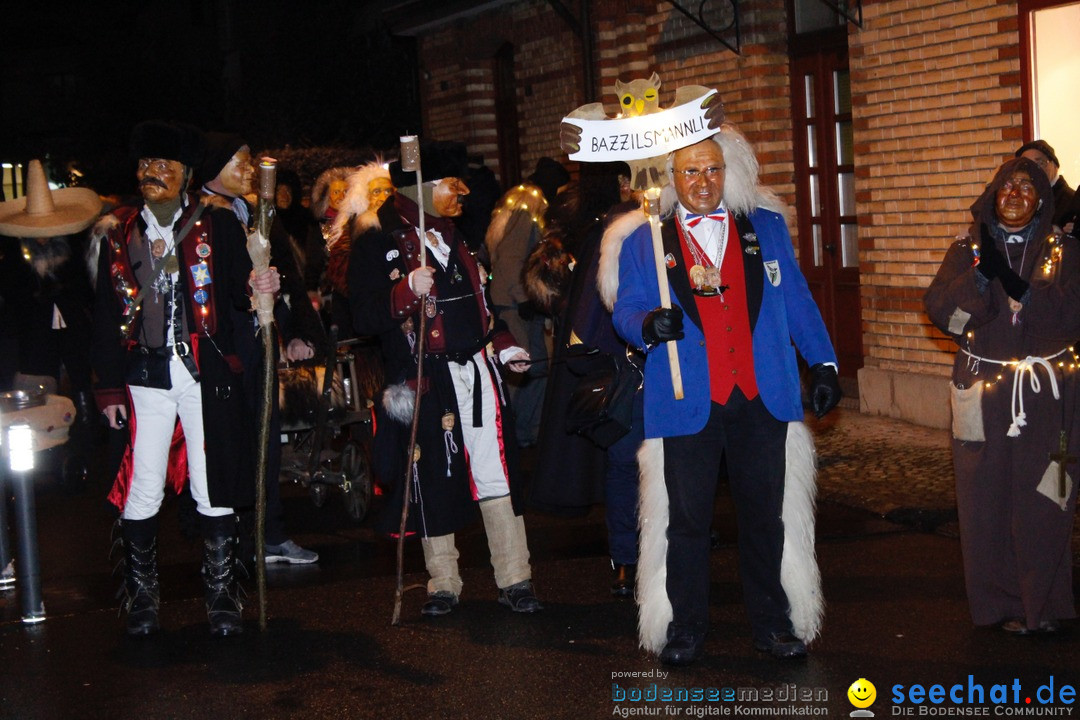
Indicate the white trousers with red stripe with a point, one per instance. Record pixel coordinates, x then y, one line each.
156 411
484 444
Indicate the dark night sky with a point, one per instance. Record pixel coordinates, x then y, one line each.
78 75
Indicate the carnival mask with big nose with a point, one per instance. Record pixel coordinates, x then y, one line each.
447 196
1017 201
160 180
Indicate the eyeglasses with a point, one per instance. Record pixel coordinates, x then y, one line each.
693 174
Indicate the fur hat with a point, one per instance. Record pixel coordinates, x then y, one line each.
1040 145
47 213
220 148
169 141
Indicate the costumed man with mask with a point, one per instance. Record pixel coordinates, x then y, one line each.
44 284
170 273
228 172
369 187
327 194
1007 294
465 435
733 274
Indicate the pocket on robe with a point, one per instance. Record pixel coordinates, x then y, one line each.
967 417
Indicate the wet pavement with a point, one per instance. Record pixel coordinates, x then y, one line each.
890 560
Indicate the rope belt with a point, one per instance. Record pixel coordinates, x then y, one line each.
1027 365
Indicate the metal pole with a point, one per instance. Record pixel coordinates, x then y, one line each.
29 569
7 566
20 447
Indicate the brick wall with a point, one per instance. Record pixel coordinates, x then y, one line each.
457 65
936 101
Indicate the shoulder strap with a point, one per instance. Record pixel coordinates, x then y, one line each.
160 263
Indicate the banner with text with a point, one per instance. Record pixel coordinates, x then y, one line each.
645 136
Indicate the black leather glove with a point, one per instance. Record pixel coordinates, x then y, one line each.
824 389
991 262
1015 286
662 324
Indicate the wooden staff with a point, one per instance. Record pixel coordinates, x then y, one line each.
258 247
410 160
652 197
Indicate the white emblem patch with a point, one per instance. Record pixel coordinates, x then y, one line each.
392 254
772 271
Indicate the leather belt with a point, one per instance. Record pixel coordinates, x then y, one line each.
180 350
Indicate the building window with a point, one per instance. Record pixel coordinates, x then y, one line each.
1054 66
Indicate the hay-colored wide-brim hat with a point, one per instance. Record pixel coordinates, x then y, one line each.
48 213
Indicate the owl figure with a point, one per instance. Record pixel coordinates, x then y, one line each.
641 97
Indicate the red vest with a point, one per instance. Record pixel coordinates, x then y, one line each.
726 324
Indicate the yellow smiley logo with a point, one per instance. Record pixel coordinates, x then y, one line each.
862 693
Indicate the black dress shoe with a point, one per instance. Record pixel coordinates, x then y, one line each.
783 646
520 598
439 603
682 649
623 587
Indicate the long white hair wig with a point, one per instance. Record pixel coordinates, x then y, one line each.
356 196
743 191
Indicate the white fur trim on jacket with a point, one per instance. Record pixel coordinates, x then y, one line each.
799 573
607 274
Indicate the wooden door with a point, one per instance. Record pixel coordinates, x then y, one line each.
825 196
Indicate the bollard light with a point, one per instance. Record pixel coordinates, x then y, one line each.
20 448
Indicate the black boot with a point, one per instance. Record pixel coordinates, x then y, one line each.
141 592
223 604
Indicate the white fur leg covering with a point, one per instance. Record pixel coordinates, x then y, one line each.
799 573
654 608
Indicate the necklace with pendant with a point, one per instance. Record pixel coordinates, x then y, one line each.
163 282
1015 305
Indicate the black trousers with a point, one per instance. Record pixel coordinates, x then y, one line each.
754 443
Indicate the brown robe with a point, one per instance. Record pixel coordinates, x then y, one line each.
1015 541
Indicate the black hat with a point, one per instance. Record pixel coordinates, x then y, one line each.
220 147
438 160
1040 145
169 141
549 176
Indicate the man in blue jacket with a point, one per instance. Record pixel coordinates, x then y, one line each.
733 274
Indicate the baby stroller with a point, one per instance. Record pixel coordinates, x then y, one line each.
328 428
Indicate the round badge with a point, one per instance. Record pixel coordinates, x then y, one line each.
201 297
202 250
